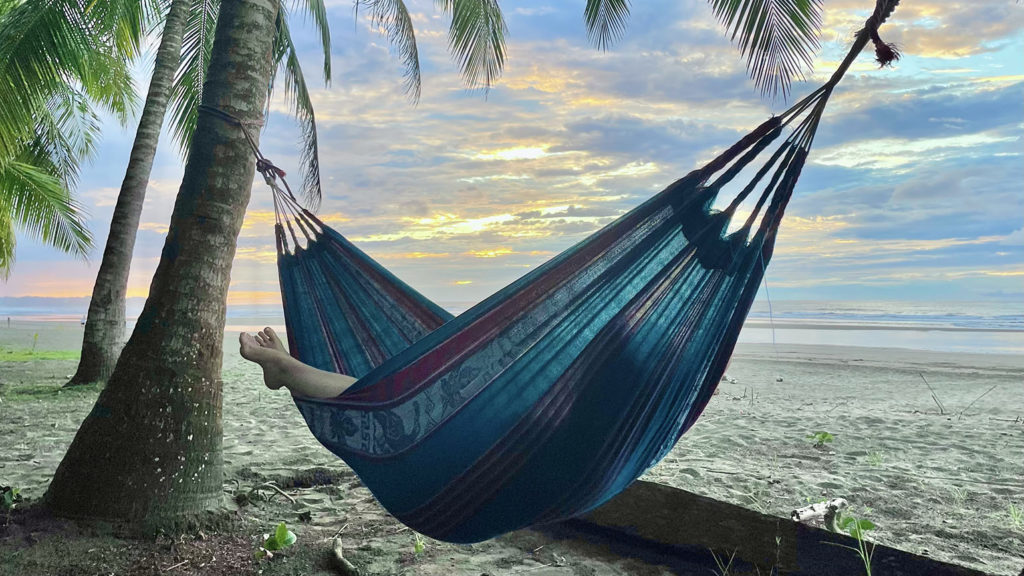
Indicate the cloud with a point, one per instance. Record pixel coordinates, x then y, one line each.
914 178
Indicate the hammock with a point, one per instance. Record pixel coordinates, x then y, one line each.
554 394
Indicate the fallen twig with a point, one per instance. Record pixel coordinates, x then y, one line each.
179 564
1016 420
942 409
961 415
274 487
841 404
532 568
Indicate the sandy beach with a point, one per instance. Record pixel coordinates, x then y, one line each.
944 485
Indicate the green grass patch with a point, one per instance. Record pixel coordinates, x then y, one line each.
16 392
33 355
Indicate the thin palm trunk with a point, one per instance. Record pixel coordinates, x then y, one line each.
150 450
105 325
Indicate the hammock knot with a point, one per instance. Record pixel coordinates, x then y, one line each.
885 53
270 172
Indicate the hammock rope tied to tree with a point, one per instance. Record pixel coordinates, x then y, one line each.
554 394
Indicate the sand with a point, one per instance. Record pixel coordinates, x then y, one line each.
935 484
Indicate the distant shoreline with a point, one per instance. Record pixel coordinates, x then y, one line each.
786 324
913 327
757 334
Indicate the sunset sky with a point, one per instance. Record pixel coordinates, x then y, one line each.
914 189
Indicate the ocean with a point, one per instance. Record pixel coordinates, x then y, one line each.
992 327
978 327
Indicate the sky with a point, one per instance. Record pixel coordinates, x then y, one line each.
914 189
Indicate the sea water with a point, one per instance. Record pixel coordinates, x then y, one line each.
978 327
994 327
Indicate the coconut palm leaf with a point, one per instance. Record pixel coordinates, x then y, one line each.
394 21
187 89
8 245
778 37
59 60
476 38
317 12
296 94
65 136
48 45
38 203
606 21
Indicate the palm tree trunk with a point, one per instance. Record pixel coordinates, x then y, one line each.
105 325
150 451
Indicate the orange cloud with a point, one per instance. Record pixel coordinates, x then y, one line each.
253 297
491 253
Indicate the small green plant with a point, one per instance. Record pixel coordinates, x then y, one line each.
720 562
419 545
959 496
9 497
856 527
1016 517
875 459
279 540
821 438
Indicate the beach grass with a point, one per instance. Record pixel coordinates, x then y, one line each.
46 391
30 355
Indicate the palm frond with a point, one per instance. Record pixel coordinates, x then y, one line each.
317 11
38 203
297 94
476 38
606 21
66 134
778 38
187 89
109 83
124 21
392 17
8 245
48 45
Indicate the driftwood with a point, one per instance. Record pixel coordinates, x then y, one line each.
826 511
644 519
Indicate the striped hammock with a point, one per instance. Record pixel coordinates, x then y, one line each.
554 394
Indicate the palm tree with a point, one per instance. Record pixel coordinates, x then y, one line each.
150 450
59 61
178 74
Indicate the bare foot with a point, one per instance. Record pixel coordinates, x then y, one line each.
269 339
268 357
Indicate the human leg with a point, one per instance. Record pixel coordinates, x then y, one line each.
280 369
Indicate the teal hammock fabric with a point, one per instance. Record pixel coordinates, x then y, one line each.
554 394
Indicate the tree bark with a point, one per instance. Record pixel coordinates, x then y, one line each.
150 452
105 325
